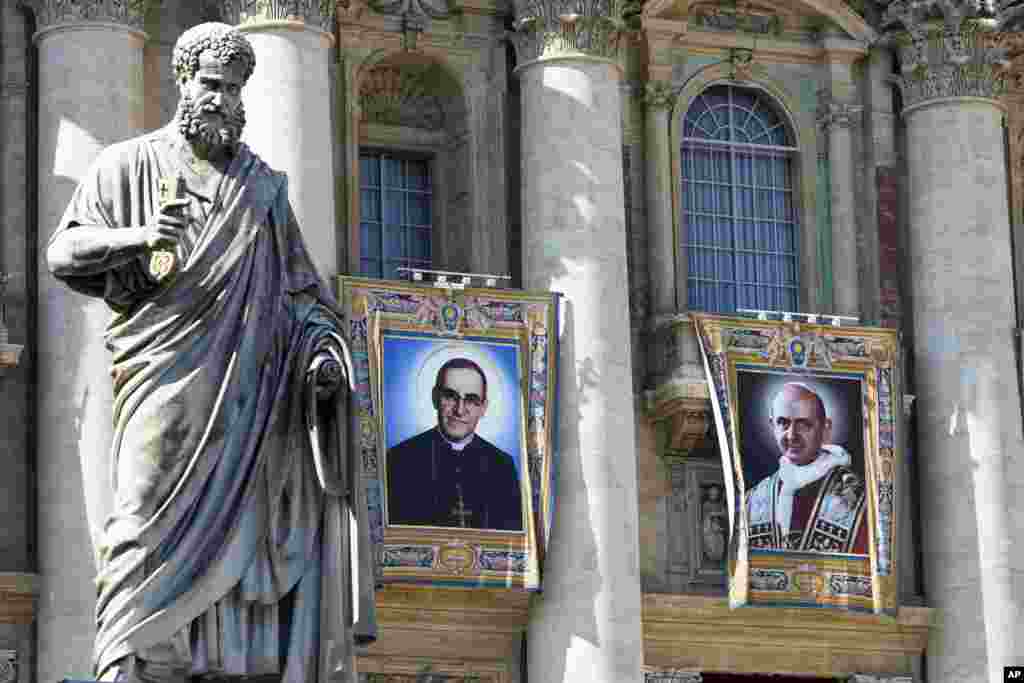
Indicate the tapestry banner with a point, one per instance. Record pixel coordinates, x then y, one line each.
454 419
806 423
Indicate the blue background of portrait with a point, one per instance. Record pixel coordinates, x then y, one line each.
757 388
408 409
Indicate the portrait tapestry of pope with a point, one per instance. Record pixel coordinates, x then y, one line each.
237 541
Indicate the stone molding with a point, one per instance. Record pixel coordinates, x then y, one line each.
51 13
879 678
440 623
318 13
832 115
564 28
18 597
699 633
659 95
946 51
652 675
8 666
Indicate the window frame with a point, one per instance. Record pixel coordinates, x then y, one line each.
402 141
404 155
732 212
802 125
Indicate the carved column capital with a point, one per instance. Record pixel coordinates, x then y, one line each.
50 13
946 50
659 95
837 114
318 13
559 28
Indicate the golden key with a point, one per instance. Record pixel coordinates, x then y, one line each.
161 262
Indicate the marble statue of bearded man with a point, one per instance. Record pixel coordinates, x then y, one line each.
238 541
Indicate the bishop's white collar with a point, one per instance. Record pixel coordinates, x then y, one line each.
795 477
456 446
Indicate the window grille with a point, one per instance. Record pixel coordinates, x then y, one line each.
395 213
739 210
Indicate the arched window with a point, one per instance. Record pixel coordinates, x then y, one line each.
739 209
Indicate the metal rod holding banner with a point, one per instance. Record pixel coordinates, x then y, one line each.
449 279
789 316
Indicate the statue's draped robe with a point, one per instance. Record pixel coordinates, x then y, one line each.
223 554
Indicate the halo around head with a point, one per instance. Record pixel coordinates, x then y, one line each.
427 374
224 40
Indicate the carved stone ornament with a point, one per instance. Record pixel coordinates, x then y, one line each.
8 666
319 13
685 411
672 676
945 50
53 12
400 97
659 95
553 28
833 114
415 15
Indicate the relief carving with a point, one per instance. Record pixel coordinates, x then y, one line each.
53 12
946 50
318 13
400 97
552 28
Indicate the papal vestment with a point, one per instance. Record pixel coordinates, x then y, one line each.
230 551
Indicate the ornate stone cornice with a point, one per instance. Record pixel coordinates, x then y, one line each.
659 95
51 13
319 13
838 114
559 28
946 50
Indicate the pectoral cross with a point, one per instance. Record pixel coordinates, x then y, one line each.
460 510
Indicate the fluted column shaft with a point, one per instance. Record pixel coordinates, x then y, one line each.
967 399
288 122
661 247
90 96
585 626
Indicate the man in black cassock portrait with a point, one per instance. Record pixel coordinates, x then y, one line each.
449 476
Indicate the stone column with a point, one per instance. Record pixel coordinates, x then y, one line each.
90 95
840 120
288 111
967 397
661 247
585 626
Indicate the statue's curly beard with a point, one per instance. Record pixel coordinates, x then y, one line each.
200 131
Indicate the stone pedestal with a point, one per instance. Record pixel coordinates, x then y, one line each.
90 96
968 403
585 626
288 119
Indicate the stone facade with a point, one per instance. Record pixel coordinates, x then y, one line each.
552 131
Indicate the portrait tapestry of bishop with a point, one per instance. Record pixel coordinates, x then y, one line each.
237 545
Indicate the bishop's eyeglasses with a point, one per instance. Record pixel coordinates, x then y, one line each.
451 396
